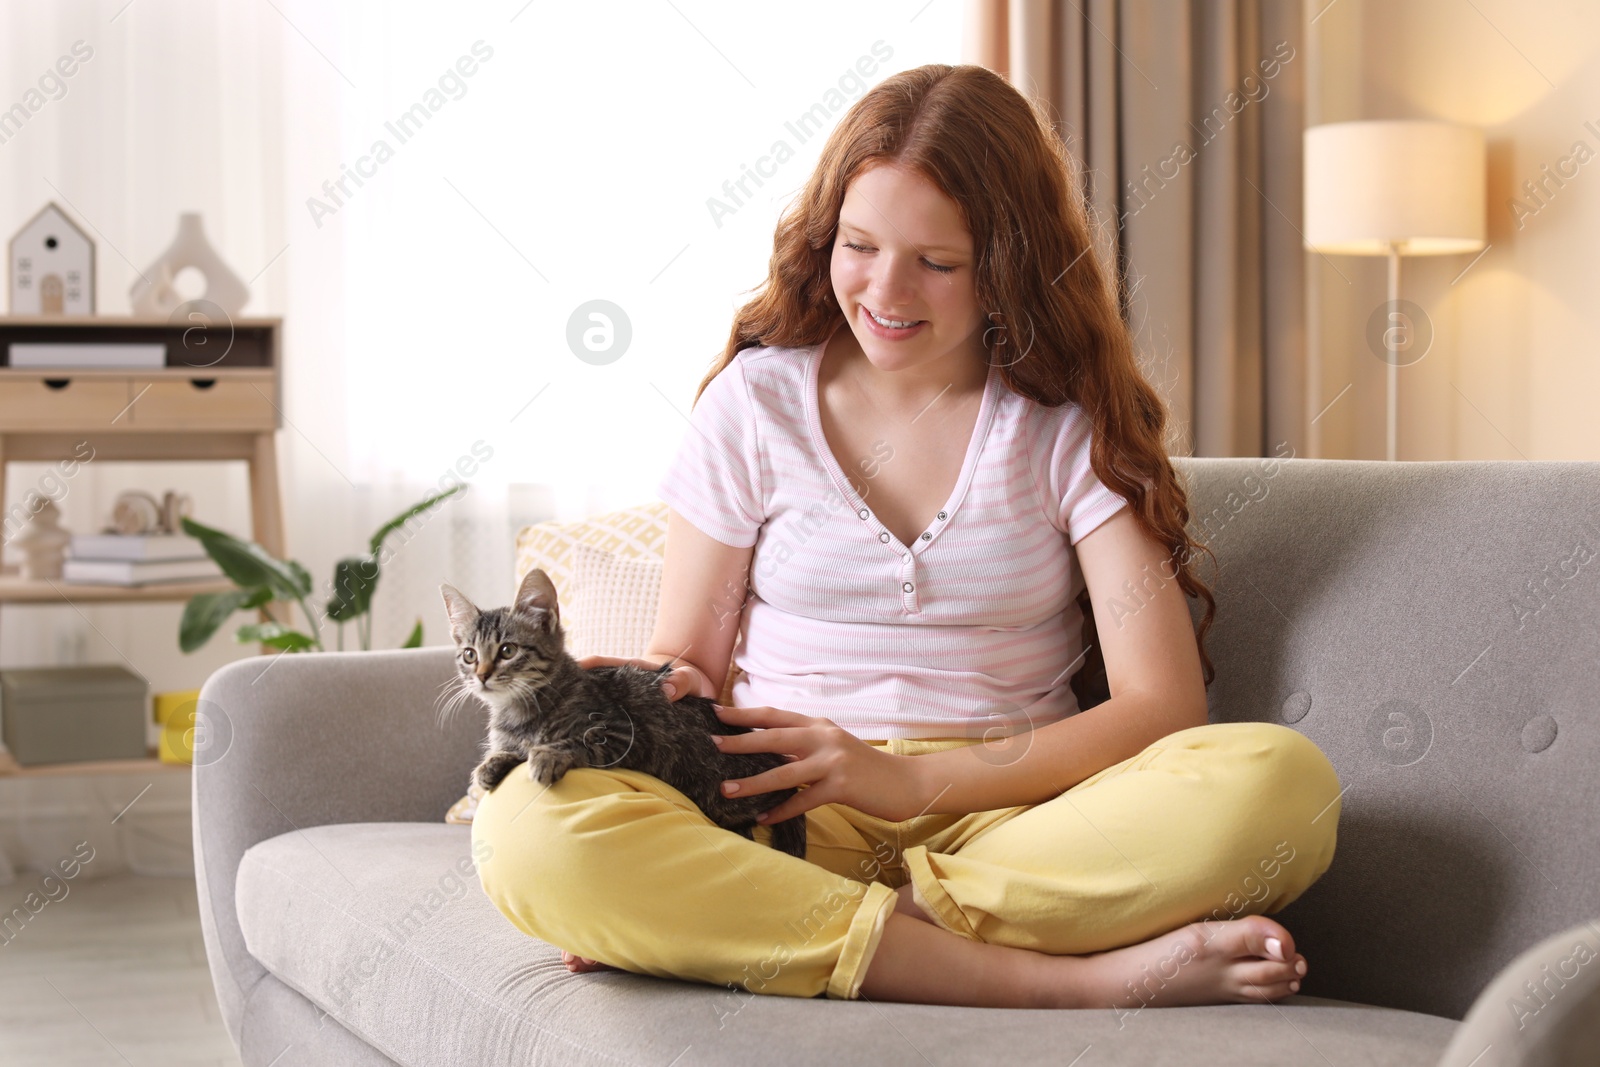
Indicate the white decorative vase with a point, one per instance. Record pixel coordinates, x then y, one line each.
155 296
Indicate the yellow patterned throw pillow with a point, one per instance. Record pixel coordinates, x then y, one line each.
613 607
632 533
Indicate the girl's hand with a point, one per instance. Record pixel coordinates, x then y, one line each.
834 765
681 681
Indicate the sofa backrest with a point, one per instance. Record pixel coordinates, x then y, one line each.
1434 628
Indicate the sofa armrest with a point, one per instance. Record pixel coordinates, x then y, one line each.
1541 1010
293 741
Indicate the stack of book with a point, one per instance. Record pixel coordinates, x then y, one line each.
136 559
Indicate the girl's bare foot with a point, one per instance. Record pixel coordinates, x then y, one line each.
580 965
1203 963
1246 960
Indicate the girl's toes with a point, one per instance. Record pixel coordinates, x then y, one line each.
1267 939
584 966
1262 994
579 964
1257 980
1262 974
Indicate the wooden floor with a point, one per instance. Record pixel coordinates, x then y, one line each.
112 973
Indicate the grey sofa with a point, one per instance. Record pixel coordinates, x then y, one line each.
1434 627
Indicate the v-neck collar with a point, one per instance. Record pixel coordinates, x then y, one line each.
879 532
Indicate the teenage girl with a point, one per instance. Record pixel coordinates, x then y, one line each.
926 437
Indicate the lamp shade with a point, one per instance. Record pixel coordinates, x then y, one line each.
1415 183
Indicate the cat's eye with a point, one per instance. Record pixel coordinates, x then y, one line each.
507 650
470 655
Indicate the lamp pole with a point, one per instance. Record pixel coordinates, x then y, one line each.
1391 345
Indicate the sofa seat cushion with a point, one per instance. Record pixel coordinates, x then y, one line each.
385 927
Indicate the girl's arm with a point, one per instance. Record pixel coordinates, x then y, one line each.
1152 668
703 583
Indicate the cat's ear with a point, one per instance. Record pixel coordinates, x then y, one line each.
463 613
536 598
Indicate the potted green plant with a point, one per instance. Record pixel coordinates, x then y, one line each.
264 580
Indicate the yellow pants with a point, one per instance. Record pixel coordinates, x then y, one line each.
1213 822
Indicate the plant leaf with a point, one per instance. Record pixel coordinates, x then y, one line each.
247 563
354 580
292 641
415 640
405 516
205 612
273 635
302 576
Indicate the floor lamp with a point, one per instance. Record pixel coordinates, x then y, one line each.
1394 188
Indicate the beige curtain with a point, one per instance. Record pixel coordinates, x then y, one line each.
1187 115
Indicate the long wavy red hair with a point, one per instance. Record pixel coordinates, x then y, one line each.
1058 334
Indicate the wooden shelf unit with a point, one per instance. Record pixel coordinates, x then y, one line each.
15 590
10 768
218 398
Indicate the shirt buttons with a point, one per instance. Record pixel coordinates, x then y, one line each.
908 587
943 515
927 537
863 513
884 538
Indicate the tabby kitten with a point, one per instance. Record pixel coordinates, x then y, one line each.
546 710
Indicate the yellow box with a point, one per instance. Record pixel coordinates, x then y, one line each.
174 712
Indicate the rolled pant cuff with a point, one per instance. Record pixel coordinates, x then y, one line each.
861 941
930 896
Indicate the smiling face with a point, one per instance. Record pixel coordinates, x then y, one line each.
903 253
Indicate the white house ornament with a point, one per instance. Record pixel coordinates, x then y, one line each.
51 266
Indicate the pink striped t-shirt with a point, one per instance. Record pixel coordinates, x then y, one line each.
971 630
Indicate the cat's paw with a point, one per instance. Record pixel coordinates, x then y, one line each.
550 766
494 768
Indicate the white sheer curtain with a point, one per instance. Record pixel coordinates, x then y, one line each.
427 193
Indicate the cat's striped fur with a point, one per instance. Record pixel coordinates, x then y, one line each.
548 712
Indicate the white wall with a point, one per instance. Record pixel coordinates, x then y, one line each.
415 321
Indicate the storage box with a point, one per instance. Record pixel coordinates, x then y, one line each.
174 713
70 714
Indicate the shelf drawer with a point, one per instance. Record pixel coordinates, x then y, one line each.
234 403
63 403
